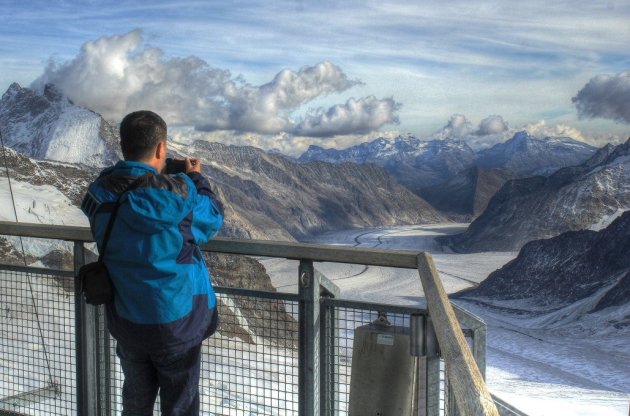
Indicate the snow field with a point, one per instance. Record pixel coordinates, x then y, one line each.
544 363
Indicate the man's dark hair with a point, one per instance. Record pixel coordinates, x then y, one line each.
140 133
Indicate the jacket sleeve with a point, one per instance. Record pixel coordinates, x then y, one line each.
207 210
90 205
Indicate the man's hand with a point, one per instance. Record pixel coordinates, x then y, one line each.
193 165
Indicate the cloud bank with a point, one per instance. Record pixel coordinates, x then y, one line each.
492 125
119 74
605 96
458 127
494 129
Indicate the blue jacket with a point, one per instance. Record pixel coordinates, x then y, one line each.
163 296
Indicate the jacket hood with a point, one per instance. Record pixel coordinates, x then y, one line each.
158 201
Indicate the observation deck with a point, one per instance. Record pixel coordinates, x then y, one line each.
274 353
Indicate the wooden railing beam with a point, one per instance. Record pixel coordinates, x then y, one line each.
471 394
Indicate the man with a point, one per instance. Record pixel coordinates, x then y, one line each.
164 305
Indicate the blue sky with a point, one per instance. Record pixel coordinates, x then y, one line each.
388 65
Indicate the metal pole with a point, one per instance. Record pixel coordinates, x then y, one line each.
328 360
86 346
417 347
106 368
432 369
309 349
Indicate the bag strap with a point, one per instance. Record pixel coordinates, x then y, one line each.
112 218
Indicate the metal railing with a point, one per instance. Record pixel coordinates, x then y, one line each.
274 353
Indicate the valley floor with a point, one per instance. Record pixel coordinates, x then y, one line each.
568 368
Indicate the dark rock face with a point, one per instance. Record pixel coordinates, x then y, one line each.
467 195
9 254
71 180
573 198
618 295
565 269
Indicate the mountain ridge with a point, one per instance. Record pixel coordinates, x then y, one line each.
586 196
50 127
430 168
592 267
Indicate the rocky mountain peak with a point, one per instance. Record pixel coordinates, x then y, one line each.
49 126
13 89
526 155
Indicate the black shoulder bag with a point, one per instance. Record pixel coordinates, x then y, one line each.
96 285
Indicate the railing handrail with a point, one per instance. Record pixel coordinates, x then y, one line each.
404 259
469 388
471 393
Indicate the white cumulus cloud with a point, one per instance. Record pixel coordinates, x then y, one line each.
542 129
115 75
493 124
605 96
458 127
355 116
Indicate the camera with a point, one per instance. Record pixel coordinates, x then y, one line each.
174 166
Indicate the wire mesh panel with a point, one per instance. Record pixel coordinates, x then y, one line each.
250 365
37 343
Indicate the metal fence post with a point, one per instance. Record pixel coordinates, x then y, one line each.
86 333
105 368
417 347
328 359
479 334
309 346
432 369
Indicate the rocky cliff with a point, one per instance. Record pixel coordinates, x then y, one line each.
587 269
587 196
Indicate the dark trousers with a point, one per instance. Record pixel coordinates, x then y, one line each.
176 376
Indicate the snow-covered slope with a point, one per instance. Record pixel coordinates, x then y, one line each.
588 196
558 321
589 268
49 126
526 155
413 162
39 204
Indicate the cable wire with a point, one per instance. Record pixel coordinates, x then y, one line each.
28 275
